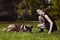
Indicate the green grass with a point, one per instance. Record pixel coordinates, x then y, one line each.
35 35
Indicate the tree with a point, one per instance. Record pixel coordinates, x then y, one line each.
31 6
56 9
8 9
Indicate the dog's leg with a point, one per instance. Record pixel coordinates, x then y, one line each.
8 30
21 28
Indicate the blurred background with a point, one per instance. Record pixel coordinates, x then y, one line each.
12 10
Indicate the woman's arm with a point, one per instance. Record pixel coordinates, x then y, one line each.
51 23
41 19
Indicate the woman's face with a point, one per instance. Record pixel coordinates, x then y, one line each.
40 12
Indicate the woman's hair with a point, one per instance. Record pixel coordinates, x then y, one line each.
41 9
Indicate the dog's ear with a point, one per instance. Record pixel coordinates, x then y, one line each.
25 26
31 26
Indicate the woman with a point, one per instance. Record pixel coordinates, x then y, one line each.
50 23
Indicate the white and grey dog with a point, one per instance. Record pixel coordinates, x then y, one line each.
18 28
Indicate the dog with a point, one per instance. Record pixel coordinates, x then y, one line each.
18 27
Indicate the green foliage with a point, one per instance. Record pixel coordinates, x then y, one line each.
55 9
29 5
11 7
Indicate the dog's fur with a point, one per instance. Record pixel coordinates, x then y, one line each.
18 28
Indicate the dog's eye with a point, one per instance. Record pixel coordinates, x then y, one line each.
25 26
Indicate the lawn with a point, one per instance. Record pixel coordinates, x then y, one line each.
35 35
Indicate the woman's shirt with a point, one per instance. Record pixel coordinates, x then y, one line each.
47 24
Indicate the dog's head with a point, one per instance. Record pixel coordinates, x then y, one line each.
28 28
